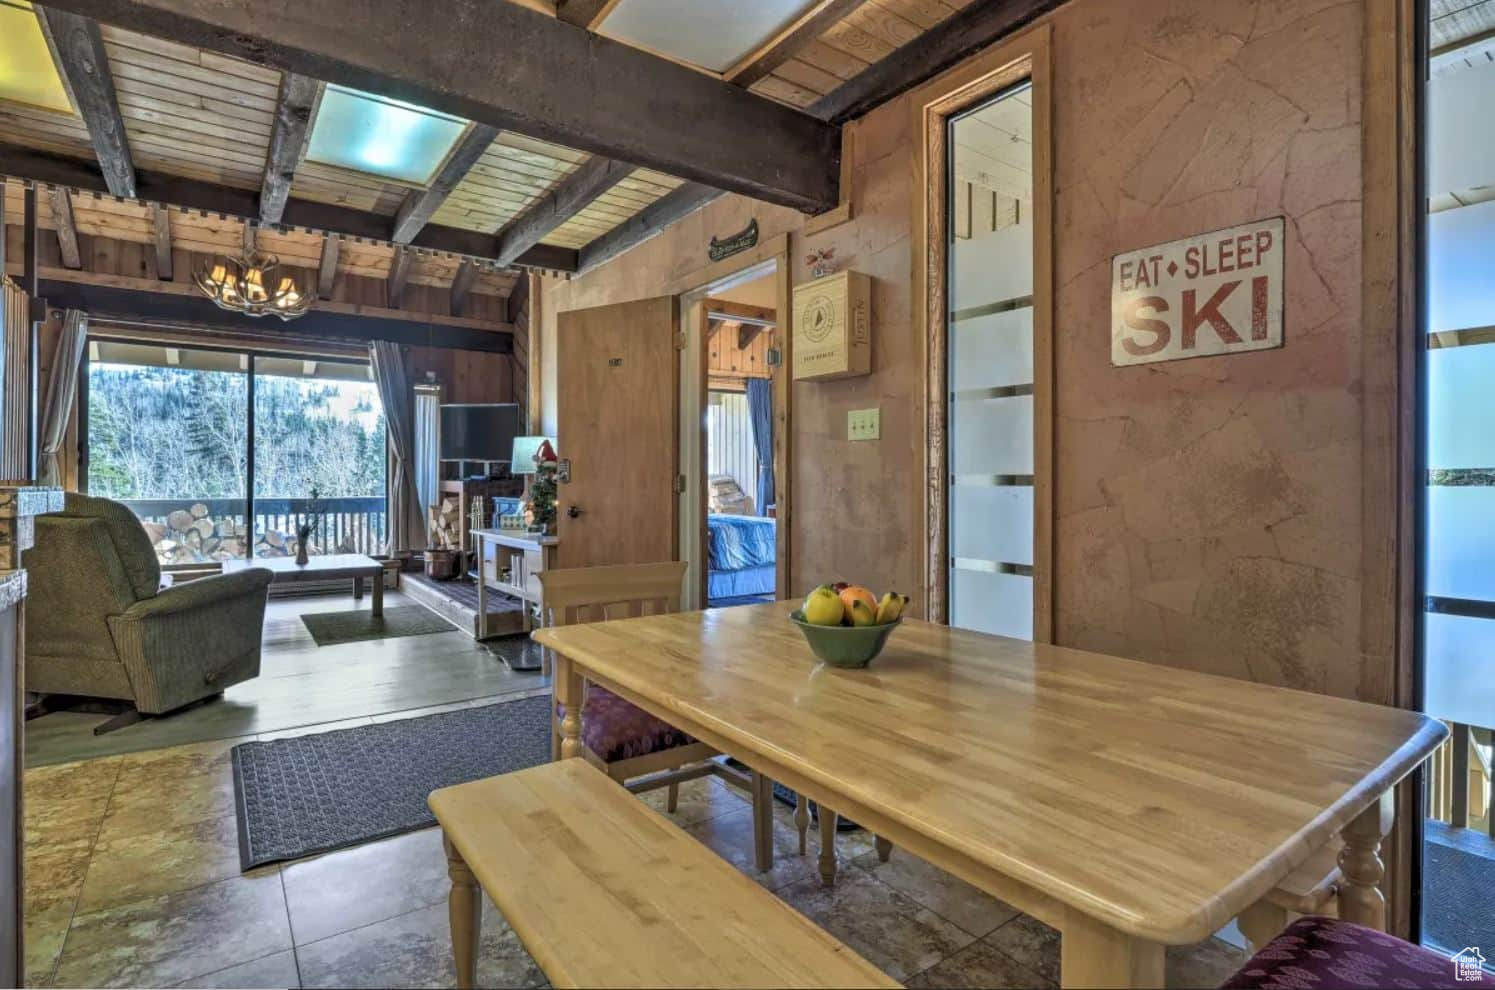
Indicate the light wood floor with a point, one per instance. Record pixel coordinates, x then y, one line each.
302 685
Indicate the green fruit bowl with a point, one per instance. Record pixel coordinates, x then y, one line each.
844 646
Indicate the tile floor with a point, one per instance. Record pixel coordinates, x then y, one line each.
134 881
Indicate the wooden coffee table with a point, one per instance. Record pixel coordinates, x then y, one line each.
328 567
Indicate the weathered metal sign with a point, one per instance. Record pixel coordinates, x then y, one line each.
1216 293
725 247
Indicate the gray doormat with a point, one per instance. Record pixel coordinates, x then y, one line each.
330 628
311 794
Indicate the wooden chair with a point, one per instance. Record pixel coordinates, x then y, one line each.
630 745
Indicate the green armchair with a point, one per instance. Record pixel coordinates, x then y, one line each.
98 623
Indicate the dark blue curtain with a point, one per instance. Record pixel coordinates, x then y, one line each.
760 410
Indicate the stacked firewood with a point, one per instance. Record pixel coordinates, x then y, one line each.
445 524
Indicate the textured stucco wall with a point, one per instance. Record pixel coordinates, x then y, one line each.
1207 511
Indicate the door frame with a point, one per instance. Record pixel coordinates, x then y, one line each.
1023 58
690 289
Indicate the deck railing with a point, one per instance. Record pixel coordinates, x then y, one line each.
1459 788
187 530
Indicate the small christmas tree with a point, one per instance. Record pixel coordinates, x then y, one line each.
542 490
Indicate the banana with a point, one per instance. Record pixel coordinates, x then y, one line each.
862 614
890 609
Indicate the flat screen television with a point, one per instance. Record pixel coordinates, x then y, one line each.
479 431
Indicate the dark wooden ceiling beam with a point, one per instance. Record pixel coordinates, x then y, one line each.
194 194
79 49
327 269
421 204
293 113
462 282
67 228
399 276
675 205
934 51
513 68
790 42
161 222
570 196
583 13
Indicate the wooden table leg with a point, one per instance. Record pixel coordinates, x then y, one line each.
884 847
1093 954
567 687
1262 922
762 822
358 589
1360 897
802 820
378 603
465 909
827 847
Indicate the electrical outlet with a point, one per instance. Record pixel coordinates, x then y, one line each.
864 424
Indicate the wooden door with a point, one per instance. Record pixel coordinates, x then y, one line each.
617 395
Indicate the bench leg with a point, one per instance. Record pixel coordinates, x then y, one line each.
465 908
802 820
884 848
672 797
827 847
378 583
762 822
568 694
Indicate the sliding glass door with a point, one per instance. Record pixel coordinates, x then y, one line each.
177 433
167 434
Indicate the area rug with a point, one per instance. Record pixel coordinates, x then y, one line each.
331 628
311 794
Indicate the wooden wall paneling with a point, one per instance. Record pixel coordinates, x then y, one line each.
970 83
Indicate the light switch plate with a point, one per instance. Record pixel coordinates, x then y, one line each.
864 424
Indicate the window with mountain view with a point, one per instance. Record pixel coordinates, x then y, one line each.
169 434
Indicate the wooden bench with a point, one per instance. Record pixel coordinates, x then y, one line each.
605 892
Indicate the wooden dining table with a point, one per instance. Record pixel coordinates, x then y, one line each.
1129 805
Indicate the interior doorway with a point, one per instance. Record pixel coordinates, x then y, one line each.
734 399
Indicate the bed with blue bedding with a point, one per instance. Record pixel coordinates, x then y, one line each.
740 553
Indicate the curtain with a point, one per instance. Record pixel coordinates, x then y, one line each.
760 408
62 392
427 457
407 527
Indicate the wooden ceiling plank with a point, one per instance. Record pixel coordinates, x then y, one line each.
789 42
554 81
574 194
161 221
462 282
327 270
926 56
84 66
399 276
215 198
67 228
293 113
649 221
420 204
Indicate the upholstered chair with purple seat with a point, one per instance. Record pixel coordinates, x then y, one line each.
632 746
1317 953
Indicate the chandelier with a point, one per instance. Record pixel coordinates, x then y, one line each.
252 285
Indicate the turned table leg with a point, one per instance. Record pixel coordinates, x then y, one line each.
465 908
568 696
1360 897
802 820
827 847
1093 954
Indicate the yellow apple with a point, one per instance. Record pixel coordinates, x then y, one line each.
823 607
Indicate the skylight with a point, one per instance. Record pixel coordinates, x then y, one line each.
713 34
384 137
27 73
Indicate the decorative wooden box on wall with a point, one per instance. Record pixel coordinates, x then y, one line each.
833 327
